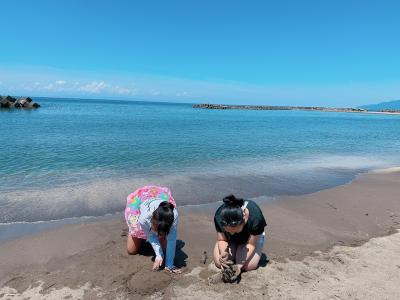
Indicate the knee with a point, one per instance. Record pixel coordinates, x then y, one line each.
250 267
132 251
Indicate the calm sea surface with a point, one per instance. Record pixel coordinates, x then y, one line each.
73 158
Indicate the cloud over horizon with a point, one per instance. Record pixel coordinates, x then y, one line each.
60 83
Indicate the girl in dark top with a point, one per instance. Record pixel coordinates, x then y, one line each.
240 233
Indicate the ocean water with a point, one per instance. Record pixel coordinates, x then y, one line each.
76 157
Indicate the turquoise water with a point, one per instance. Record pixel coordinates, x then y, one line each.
74 158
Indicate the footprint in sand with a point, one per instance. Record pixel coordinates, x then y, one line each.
148 282
18 283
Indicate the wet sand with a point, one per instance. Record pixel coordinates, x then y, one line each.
89 260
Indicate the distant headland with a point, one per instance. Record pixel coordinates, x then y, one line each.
387 106
268 107
13 102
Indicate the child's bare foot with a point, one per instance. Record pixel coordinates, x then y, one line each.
174 270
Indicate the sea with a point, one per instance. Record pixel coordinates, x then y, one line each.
79 158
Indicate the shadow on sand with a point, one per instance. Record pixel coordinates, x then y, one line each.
180 255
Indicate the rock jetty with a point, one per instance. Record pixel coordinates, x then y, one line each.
392 111
268 107
12 102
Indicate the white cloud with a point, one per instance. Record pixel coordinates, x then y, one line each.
54 82
155 93
94 87
49 87
76 87
123 90
182 94
31 86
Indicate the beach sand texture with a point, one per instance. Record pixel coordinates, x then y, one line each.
370 271
341 243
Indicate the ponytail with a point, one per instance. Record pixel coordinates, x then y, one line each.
231 212
232 201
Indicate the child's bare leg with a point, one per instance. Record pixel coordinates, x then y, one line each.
133 245
217 253
253 261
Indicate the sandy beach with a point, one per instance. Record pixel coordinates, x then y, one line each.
292 107
340 243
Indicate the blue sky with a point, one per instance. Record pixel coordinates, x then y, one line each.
333 53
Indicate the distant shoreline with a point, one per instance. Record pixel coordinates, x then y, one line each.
272 107
382 112
303 108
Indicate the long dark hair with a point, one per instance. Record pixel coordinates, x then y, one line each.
163 218
232 212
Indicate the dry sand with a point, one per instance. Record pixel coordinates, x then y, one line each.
89 260
370 271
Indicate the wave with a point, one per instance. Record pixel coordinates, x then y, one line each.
191 186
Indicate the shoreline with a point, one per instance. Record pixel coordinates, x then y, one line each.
19 229
104 196
94 252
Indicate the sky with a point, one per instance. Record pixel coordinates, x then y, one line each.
322 53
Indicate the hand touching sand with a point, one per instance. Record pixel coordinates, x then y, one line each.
157 263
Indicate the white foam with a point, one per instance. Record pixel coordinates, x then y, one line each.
102 196
386 171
